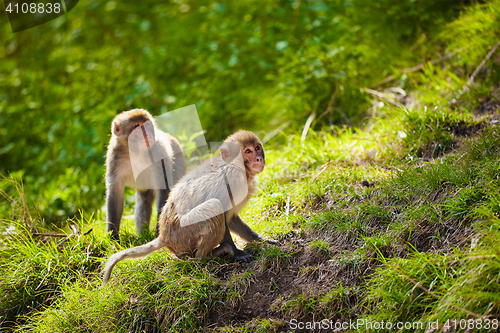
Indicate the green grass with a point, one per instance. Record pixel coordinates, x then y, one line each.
257 325
33 272
300 305
320 246
178 296
338 300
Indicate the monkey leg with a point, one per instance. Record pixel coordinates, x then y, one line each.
161 200
205 225
143 207
224 250
204 213
115 199
211 240
207 222
227 242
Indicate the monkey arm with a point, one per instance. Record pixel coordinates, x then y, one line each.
237 226
161 200
114 207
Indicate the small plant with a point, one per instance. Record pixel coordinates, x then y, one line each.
257 325
274 259
310 271
379 244
337 300
301 305
320 246
237 287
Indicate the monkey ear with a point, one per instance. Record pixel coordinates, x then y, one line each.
116 128
224 153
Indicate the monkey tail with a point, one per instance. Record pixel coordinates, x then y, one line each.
135 252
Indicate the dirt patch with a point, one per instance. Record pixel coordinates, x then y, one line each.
309 274
435 149
463 129
439 237
489 105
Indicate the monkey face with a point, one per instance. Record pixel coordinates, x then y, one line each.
253 155
142 134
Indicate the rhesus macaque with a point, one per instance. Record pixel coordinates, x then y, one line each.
138 148
203 207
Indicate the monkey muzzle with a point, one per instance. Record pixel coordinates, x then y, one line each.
257 167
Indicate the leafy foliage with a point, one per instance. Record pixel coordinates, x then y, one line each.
252 64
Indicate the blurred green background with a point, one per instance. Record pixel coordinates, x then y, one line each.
257 65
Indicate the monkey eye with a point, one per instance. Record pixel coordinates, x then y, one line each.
257 148
248 151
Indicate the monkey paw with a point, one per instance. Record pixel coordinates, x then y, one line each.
272 241
243 256
268 241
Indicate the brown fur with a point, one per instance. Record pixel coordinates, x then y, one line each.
119 168
196 198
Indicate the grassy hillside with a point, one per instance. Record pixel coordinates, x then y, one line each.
395 220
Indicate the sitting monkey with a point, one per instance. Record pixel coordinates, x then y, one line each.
203 207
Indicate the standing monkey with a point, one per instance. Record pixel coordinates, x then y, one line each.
145 158
203 207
